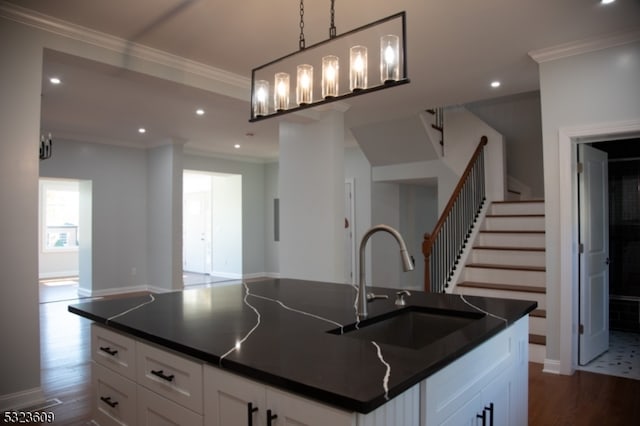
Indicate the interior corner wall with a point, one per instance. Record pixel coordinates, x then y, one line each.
518 119
164 212
588 89
386 266
20 85
311 186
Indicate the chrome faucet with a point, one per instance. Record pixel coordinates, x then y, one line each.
407 265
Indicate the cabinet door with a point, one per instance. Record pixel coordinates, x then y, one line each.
296 411
114 351
231 400
496 397
467 415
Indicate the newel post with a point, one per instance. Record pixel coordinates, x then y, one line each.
426 251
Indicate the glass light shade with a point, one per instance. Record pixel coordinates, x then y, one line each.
304 88
389 58
261 98
330 73
281 91
358 70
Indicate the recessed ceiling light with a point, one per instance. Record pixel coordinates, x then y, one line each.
237 146
200 111
606 1
495 84
55 80
142 130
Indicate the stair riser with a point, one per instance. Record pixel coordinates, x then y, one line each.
524 223
505 276
537 353
503 294
511 240
538 325
509 257
518 208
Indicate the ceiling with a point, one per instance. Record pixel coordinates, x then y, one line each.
455 49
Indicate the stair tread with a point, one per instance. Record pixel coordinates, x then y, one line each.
509 248
511 232
517 201
515 215
507 267
507 287
538 313
537 339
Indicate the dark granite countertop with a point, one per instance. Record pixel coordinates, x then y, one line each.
276 332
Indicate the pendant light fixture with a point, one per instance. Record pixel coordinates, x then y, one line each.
381 42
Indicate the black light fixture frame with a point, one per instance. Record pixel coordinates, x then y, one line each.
388 84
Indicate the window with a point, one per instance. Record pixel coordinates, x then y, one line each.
61 210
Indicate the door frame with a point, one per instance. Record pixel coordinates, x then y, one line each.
568 138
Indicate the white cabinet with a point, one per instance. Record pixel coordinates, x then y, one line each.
487 386
231 400
135 383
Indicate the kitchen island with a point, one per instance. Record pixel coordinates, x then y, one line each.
265 352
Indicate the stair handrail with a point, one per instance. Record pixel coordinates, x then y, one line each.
465 202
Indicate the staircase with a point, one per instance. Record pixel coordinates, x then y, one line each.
508 261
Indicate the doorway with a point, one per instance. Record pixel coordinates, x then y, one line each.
64 239
212 227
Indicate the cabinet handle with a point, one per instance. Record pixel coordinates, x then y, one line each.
483 416
107 400
163 376
270 417
490 410
250 410
108 350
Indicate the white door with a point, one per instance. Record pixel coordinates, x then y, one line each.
594 258
196 232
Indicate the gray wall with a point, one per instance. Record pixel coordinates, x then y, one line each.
119 192
518 119
581 90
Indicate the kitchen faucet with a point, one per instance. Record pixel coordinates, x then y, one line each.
407 265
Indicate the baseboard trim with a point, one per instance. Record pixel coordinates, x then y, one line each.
261 275
551 366
27 398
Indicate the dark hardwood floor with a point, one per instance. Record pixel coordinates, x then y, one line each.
582 399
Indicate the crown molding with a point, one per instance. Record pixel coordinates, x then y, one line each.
72 31
585 46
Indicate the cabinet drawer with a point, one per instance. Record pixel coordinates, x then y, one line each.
174 377
114 397
113 350
154 410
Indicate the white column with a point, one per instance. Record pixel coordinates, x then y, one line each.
311 183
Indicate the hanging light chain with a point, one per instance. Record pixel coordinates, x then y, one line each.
302 41
332 27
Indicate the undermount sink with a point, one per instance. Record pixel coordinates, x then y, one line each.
413 327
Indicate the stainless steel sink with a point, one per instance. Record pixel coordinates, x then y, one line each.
413 327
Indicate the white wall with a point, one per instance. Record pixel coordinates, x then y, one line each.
386 267
582 90
311 186
519 120
20 77
253 205
271 247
